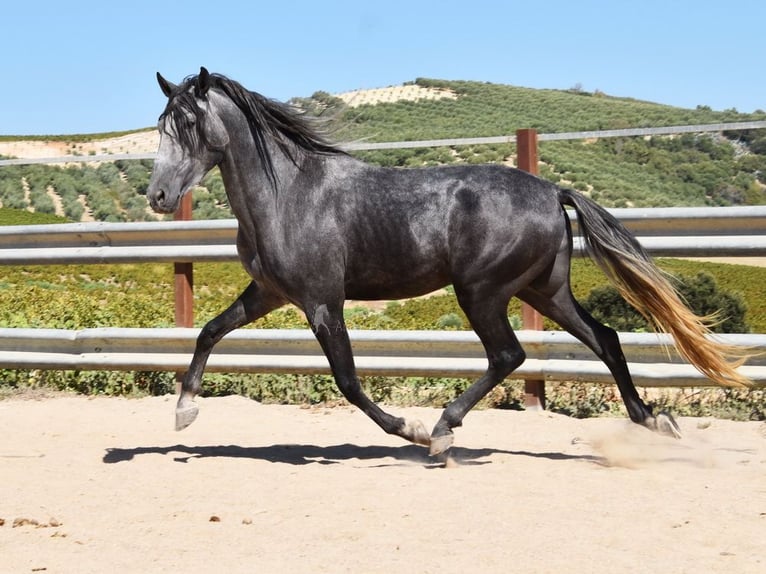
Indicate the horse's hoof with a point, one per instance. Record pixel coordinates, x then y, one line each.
666 425
415 432
186 415
441 444
663 424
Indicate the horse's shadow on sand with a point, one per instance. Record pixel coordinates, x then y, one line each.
302 454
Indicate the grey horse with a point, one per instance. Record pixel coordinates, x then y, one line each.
317 226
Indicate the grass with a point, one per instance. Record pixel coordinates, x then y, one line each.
22 217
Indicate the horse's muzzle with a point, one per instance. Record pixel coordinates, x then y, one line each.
158 200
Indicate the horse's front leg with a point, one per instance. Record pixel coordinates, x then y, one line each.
330 329
254 302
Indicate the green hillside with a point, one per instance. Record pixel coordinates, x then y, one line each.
483 109
688 170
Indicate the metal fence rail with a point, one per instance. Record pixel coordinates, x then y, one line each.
551 355
671 231
449 142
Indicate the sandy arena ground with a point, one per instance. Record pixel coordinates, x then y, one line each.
105 485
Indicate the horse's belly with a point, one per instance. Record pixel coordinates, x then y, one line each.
382 285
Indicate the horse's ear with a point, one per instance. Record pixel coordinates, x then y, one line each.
166 87
203 83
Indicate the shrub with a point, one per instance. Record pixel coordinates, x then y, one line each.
450 321
700 292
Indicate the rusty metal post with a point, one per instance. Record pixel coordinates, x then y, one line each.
184 275
526 154
184 282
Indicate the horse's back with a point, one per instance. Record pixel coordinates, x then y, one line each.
413 230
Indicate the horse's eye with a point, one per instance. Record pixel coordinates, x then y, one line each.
179 118
165 125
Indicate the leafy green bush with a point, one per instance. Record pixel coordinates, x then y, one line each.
10 216
450 321
700 292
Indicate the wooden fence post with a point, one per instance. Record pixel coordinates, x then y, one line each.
184 282
526 154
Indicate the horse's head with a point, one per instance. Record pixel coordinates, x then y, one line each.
192 141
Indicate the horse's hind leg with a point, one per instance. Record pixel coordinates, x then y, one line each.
562 307
253 303
489 318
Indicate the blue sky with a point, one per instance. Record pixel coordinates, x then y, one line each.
88 67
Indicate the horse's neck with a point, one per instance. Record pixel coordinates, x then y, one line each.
250 191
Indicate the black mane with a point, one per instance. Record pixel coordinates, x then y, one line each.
267 119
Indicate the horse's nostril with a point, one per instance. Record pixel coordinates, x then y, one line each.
156 197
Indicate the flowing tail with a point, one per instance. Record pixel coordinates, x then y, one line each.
625 262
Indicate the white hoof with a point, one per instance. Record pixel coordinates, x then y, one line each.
186 415
415 431
667 425
441 444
